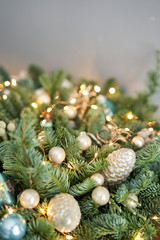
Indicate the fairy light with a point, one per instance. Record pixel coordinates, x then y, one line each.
111 143
10 210
5 97
73 101
7 83
13 82
83 87
1 85
34 105
130 115
151 129
127 129
42 210
112 90
155 218
43 163
94 107
96 154
43 122
97 89
158 133
65 108
85 92
138 237
49 109
69 237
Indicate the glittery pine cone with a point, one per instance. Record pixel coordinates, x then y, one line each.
121 163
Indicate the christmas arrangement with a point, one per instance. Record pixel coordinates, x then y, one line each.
77 162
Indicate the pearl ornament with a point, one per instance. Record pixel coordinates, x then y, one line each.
138 141
131 203
100 195
57 155
29 198
85 141
98 178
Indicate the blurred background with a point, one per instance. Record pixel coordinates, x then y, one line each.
95 39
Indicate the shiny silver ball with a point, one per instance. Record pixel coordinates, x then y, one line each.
2 124
64 212
29 198
11 127
57 155
98 178
85 141
100 195
70 111
131 203
138 141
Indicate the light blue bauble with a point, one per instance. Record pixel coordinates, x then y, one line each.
107 104
12 227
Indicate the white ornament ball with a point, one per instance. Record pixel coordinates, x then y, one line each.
64 212
85 141
11 127
42 96
100 195
2 124
70 111
144 133
57 155
138 141
2 132
131 203
29 198
98 178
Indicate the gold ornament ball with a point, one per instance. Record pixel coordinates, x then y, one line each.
98 178
2 132
85 141
29 198
100 195
70 111
57 155
131 203
138 141
64 212
11 127
2 124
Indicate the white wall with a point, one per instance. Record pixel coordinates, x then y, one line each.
89 38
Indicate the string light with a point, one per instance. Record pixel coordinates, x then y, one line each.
13 82
151 129
43 122
49 109
34 105
73 101
94 107
97 89
158 133
10 210
96 154
130 115
138 237
83 87
42 210
112 90
108 118
43 163
5 97
1 85
85 92
127 129
155 218
7 83
69 237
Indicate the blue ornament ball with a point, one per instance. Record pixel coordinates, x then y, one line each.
12 227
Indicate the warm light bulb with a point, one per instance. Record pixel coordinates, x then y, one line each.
130 115
14 82
108 118
4 97
10 210
85 92
83 87
43 163
138 237
42 211
49 110
96 154
1 85
34 105
112 90
97 89
73 101
155 218
7 83
69 237
66 107
43 122
151 129
158 133
127 129
94 107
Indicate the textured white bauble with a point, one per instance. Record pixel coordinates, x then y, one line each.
131 203
121 163
98 178
29 198
11 127
2 124
138 141
100 195
64 212
57 155
70 111
42 96
2 132
85 141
